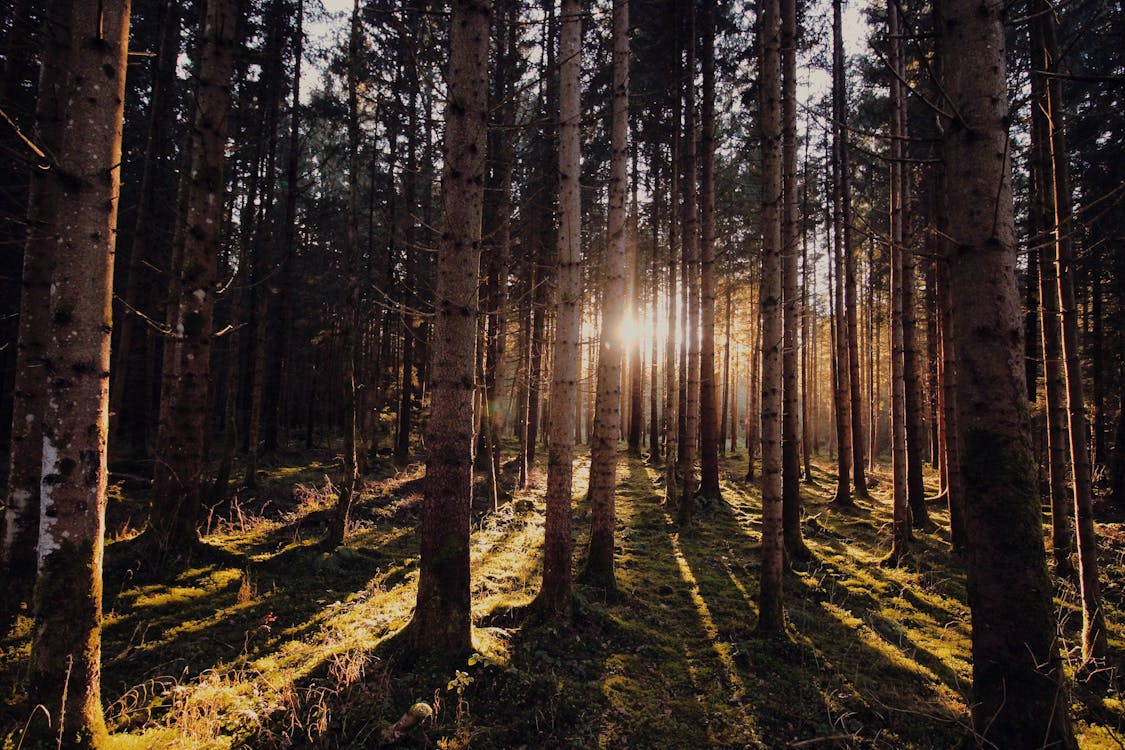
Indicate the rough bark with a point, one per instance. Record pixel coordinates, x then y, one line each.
840 361
65 663
187 353
558 542
442 625
709 438
607 417
771 616
1018 698
900 490
790 426
25 458
689 243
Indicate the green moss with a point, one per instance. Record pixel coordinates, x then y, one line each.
881 655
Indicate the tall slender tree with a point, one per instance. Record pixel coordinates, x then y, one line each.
25 461
558 541
840 232
899 428
1061 229
191 299
66 648
771 616
791 418
442 626
1018 694
349 484
709 437
607 418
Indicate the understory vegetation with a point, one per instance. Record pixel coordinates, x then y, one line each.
263 639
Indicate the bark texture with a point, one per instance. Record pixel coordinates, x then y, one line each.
1019 698
187 352
442 625
558 541
66 648
607 417
771 616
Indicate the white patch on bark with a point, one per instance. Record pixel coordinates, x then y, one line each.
200 294
47 541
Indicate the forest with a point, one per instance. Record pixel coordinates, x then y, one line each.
562 374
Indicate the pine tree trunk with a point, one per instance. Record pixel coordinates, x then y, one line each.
841 368
1061 228
603 447
791 455
558 541
689 242
709 438
349 484
1042 218
184 380
1018 696
911 368
771 616
65 663
29 394
442 626
161 116
654 447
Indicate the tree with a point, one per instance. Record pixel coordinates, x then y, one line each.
607 418
840 240
791 419
351 479
771 616
1060 223
899 428
66 651
689 286
558 541
21 514
191 299
442 626
709 438
1018 694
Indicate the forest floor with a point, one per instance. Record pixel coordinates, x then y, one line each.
265 640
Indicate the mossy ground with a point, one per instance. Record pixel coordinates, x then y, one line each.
263 639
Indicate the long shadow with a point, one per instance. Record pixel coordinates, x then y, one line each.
844 670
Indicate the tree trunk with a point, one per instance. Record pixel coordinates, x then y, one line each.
29 402
709 439
791 455
840 232
442 625
689 242
1018 697
1061 228
899 429
161 117
66 649
349 484
180 469
558 542
771 616
607 418
1041 219
911 368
